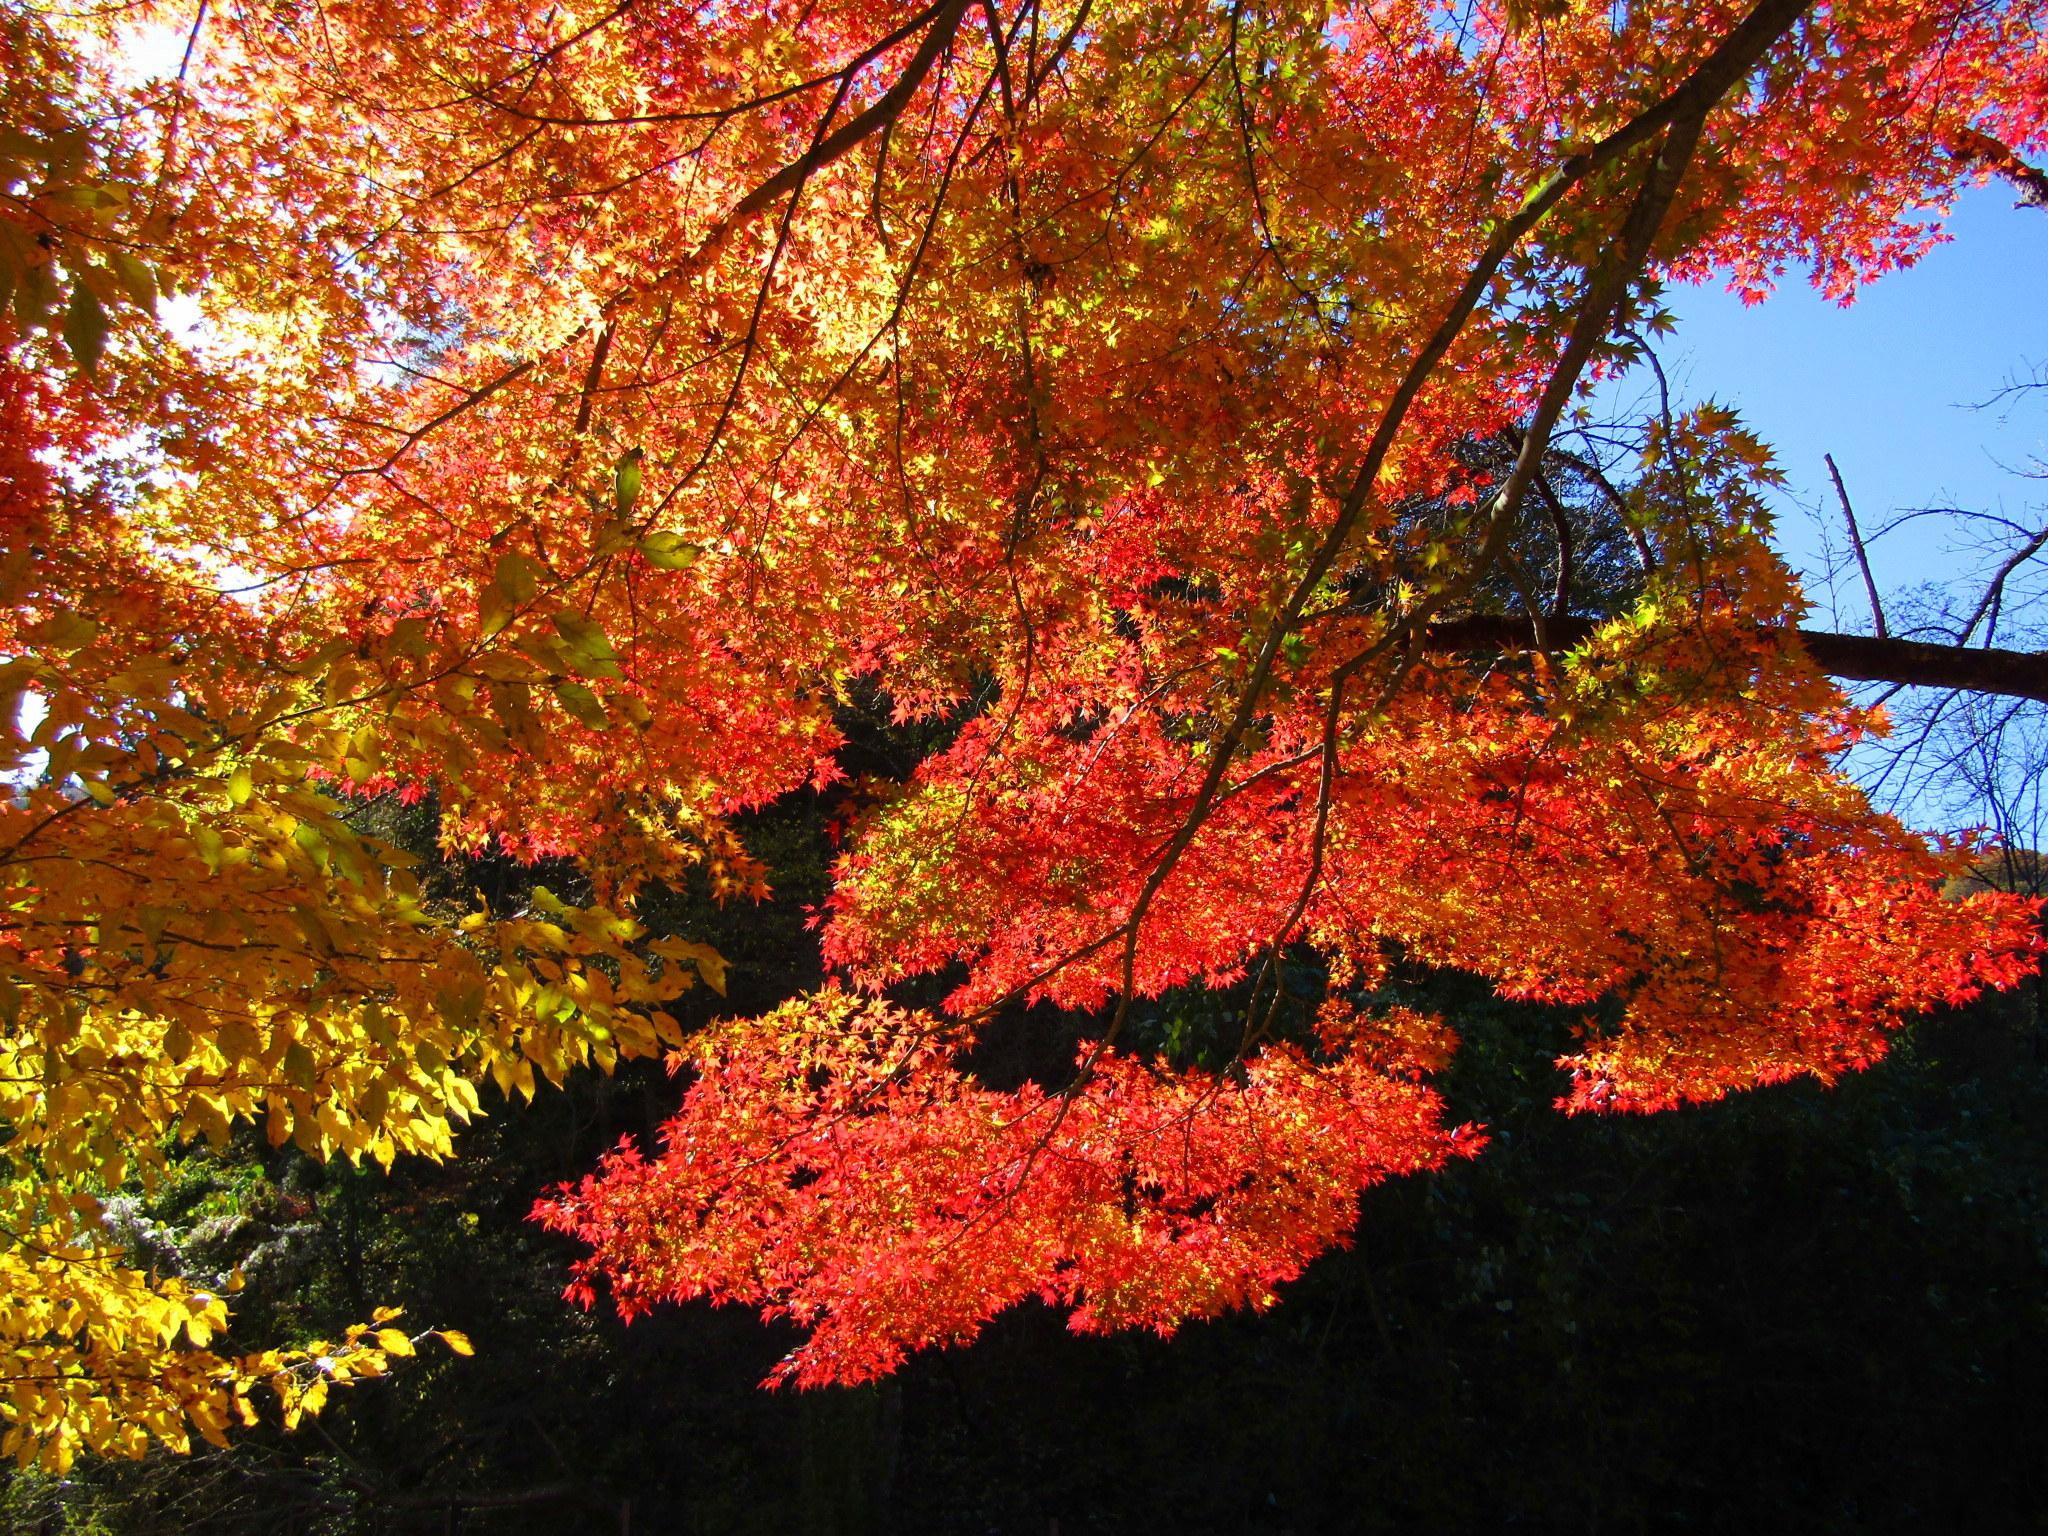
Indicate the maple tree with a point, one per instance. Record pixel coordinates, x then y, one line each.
559 412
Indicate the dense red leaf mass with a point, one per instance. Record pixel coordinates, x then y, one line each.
828 1166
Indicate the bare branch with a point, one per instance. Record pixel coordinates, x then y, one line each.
1994 592
1856 544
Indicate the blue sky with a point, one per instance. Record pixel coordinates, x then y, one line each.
1895 387
1888 386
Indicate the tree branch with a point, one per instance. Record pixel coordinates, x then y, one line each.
1858 658
1982 150
1856 544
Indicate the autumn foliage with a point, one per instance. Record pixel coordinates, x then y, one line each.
563 412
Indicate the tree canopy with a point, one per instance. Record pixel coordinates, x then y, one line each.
564 415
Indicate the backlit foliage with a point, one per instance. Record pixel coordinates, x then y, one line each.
558 410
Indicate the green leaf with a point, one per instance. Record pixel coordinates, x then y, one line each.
551 657
514 581
135 279
34 295
583 704
669 551
409 637
299 1066
634 709
85 194
626 482
461 1004
377 1026
63 632
587 644
517 576
85 328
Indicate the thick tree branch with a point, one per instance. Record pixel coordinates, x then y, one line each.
1980 149
1859 658
870 120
